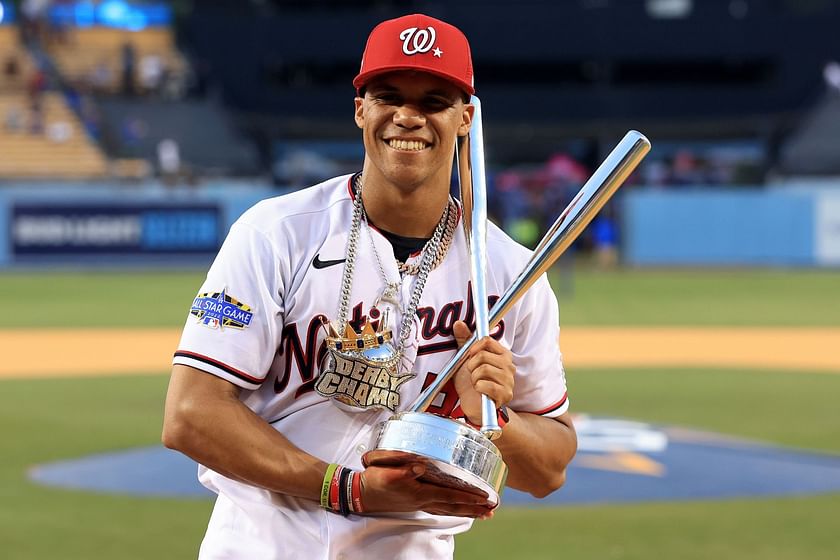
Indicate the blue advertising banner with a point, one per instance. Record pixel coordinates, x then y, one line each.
120 14
37 229
7 12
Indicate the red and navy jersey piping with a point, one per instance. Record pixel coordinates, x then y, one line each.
553 407
221 365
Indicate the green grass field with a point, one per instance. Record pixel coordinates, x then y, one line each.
587 297
48 419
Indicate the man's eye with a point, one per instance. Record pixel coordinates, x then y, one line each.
437 104
388 98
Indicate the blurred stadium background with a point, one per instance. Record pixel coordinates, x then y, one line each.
134 133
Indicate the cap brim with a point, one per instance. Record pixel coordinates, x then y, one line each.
364 78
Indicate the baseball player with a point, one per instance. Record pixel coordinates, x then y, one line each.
329 309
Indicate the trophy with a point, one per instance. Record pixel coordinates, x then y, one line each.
454 453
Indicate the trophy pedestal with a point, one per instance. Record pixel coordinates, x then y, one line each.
454 454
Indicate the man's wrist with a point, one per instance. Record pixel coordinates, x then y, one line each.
341 490
502 418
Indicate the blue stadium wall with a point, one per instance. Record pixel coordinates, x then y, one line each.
744 227
152 225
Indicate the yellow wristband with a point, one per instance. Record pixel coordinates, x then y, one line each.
325 486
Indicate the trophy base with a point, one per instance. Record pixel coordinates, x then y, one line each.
454 454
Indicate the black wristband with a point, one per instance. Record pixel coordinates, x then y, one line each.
344 492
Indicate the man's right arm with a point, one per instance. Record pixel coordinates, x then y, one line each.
205 420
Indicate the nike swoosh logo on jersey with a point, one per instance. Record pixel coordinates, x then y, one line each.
318 263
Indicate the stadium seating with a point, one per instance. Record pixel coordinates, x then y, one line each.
62 151
11 51
813 149
94 56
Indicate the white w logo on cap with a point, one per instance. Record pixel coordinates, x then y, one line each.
418 40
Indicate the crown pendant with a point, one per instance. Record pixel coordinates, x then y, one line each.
361 369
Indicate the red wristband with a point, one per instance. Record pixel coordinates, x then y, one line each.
334 489
356 492
502 416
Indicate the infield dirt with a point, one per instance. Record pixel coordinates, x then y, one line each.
32 353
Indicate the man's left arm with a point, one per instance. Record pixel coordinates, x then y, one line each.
537 451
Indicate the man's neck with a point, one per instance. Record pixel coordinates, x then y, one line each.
411 212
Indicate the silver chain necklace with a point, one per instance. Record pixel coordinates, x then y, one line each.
433 253
363 370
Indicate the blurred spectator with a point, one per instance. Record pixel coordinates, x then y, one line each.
59 132
655 173
151 74
531 199
34 16
37 84
831 73
197 77
35 90
36 118
563 168
174 84
13 120
686 169
101 78
169 160
565 177
605 239
128 61
11 70
513 204
731 163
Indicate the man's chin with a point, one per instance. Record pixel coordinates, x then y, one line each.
407 180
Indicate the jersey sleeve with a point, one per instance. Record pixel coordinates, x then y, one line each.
540 379
235 322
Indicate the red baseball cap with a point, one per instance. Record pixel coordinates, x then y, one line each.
417 42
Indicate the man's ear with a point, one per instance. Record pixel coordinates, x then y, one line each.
466 119
360 112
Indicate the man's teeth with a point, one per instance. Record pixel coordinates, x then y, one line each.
411 145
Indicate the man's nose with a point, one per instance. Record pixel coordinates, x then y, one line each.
408 116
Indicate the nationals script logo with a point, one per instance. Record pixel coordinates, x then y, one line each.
418 41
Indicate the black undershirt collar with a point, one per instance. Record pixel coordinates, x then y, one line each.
403 246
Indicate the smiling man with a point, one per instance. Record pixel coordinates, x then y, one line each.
356 292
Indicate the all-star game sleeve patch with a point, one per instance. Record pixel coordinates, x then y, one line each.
219 310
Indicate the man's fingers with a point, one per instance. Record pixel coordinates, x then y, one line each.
460 511
487 363
430 494
385 477
499 394
402 488
461 332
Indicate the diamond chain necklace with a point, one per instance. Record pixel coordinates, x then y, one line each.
433 253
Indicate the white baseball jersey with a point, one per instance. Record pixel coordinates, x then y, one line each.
257 322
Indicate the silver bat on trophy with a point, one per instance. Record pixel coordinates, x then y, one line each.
454 453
